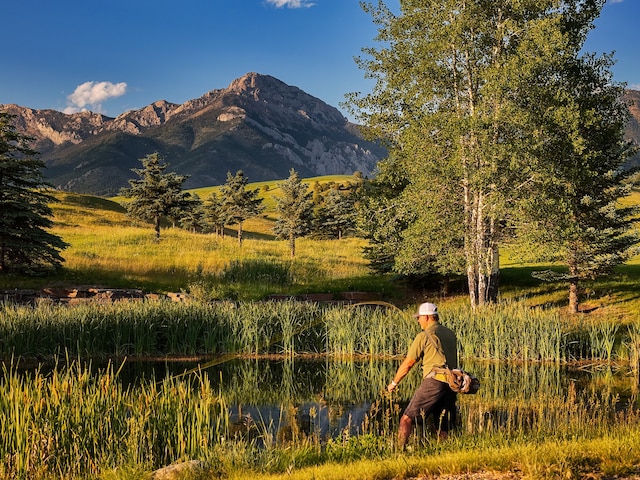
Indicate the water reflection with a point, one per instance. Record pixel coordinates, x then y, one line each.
292 398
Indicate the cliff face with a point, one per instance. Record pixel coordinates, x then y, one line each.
258 124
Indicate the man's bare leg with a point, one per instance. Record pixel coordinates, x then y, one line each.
404 431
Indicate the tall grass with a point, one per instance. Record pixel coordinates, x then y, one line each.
507 332
73 422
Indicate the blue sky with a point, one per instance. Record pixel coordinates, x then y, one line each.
117 55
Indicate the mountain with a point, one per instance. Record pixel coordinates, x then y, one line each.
632 130
258 124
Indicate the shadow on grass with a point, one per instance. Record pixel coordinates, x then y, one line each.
89 201
621 288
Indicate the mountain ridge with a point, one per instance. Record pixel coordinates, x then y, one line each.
257 124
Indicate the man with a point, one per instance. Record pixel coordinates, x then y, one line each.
436 346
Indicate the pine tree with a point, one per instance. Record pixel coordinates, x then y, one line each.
339 212
238 203
155 195
191 214
294 208
25 215
214 218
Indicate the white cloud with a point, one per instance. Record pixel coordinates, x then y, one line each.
291 3
90 95
633 86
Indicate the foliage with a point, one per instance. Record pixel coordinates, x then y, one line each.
451 100
190 214
213 215
25 214
155 195
294 209
336 216
576 212
238 203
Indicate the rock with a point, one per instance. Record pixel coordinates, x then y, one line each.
192 470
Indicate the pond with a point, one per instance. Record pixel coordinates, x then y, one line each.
328 398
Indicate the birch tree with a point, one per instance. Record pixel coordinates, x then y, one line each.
448 101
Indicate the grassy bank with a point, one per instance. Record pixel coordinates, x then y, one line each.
73 423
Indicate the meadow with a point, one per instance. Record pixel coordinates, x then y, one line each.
66 410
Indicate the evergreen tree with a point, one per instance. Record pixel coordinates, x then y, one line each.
25 214
191 214
294 208
155 195
339 212
450 103
214 218
238 203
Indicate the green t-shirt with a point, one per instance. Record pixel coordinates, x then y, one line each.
423 349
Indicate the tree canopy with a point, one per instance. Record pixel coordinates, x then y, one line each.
295 209
155 195
239 203
460 87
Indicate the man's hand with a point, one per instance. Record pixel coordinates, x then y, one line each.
403 369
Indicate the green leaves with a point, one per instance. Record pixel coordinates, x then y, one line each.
496 125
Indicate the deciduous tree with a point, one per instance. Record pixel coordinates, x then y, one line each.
448 101
576 215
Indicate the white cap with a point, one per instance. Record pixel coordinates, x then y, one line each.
427 309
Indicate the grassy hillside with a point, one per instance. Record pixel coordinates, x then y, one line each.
110 249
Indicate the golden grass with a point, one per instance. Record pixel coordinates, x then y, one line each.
108 248
611 455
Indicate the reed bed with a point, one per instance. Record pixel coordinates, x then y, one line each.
507 332
73 422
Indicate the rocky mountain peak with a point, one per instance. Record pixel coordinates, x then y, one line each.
136 121
258 124
284 99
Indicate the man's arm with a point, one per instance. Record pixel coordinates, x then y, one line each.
403 369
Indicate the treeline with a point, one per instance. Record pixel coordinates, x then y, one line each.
322 211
